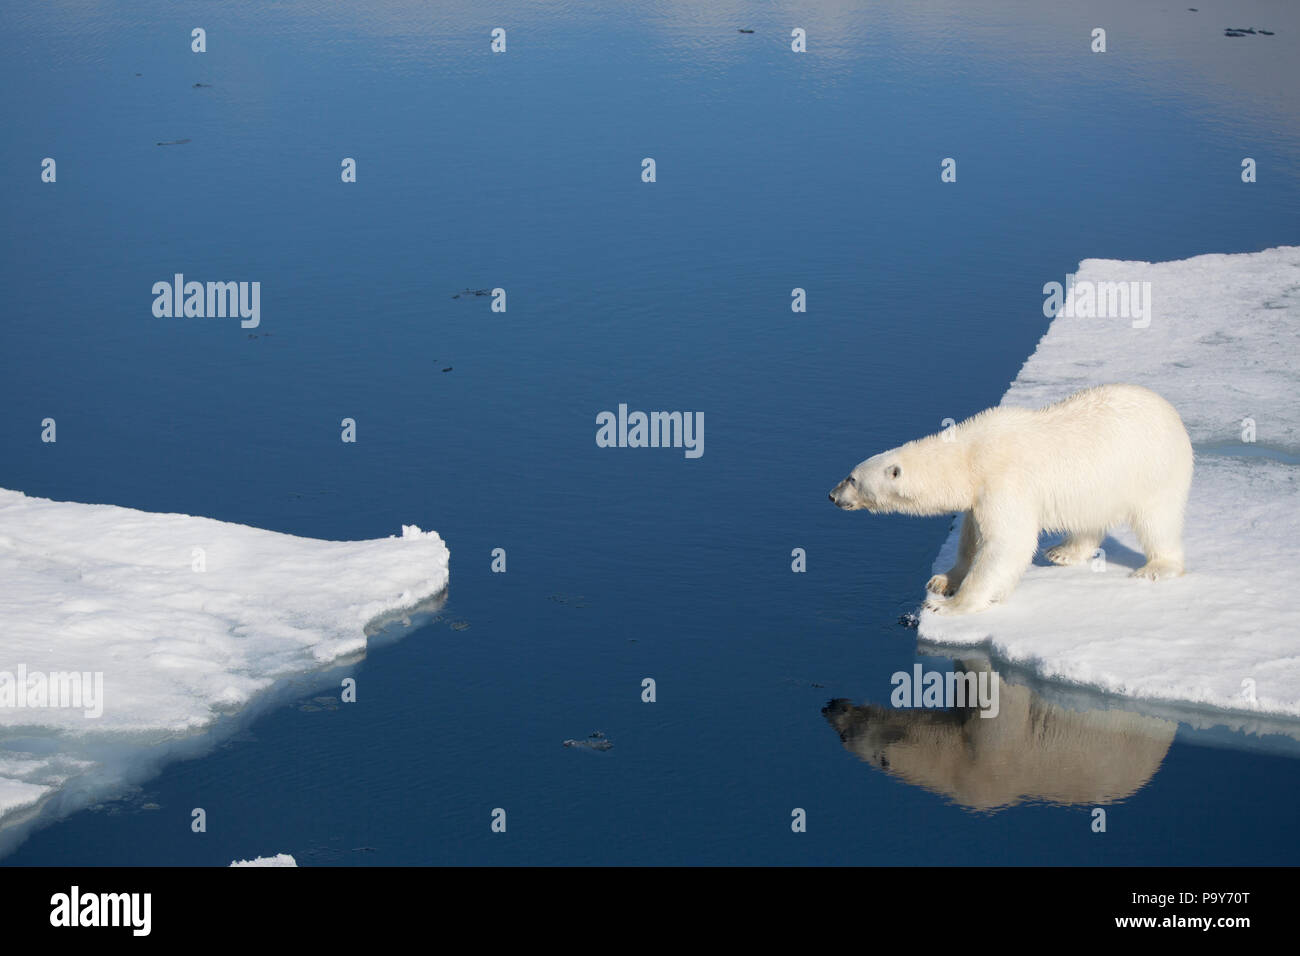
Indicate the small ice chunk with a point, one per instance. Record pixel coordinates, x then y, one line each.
280 859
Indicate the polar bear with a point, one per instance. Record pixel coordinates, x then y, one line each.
1104 456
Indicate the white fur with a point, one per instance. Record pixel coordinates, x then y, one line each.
1105 456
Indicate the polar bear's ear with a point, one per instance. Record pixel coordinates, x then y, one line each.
893 471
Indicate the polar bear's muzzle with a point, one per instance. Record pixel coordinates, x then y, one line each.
845 495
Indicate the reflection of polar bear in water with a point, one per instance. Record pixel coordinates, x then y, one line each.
1110 455
1033 750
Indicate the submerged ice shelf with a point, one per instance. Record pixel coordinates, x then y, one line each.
170 622
1220 345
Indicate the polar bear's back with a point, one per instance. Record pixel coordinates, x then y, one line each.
1089 458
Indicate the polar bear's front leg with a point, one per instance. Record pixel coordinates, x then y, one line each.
948 583
1009 540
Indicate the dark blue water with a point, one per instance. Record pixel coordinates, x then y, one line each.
522 171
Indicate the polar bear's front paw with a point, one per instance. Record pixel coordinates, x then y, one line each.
957 605
939 585
1156 570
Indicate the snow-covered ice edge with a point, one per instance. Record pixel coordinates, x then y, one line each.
132 638
1220 345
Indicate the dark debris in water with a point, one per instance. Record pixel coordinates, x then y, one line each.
911 620
804 683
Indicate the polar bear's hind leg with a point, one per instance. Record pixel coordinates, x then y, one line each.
1159 529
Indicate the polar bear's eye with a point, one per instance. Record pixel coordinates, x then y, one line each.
893 471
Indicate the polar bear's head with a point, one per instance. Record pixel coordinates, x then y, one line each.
929 476
882 484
